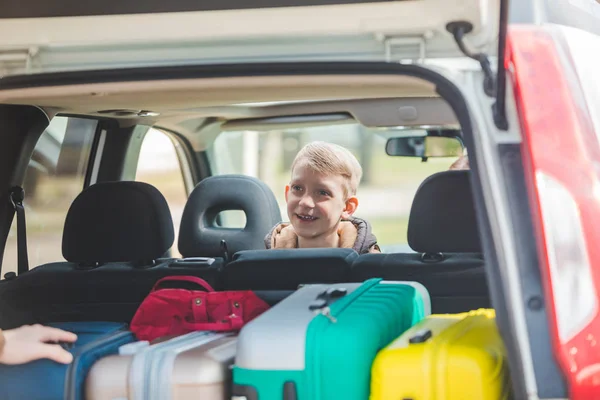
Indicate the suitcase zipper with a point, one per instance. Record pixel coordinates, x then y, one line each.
73 369
334 310
326 311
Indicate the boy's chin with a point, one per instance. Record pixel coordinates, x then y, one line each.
304 231
311 232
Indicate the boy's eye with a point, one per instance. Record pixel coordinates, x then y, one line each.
296 188
324 193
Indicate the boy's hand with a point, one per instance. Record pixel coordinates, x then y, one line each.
29 343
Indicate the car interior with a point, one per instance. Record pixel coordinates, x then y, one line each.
143 153
118 233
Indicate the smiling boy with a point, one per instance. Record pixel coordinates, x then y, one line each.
321 199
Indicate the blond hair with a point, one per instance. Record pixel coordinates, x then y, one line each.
331 159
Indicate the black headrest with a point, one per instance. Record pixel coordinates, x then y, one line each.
199 236
442 218
118 221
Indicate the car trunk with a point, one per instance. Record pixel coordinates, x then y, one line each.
89 58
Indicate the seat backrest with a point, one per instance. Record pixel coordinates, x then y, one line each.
117 222
443 230
286 269
199 235
456 284
442 217
115 234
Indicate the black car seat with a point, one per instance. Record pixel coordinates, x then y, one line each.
443 231
115 235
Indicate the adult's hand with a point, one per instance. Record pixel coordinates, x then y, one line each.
28 343
461 163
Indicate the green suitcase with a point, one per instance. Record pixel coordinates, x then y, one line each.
320 343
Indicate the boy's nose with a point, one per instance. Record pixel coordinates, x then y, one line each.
307 201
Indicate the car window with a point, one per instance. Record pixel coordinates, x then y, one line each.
160 166
385 193
54 177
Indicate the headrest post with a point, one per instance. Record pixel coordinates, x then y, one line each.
224 250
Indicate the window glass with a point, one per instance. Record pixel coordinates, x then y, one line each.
385 193
159 165
54 177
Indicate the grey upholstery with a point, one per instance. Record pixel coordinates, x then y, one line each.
199 236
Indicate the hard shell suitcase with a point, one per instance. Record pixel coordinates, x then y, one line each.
320 342
191 366
48 380
444 357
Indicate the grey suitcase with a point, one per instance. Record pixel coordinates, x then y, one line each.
192 366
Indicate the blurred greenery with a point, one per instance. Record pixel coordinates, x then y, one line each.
403 171
390 230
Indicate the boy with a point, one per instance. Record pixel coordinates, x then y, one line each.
321 198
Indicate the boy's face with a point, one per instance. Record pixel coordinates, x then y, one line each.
316 202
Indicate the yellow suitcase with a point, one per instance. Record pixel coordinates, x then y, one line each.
444 357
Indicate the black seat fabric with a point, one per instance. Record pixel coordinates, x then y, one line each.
111 292
443 229
442 217
199 235
117 221
456 284
114 235
286 269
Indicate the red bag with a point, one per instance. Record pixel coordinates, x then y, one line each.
170 311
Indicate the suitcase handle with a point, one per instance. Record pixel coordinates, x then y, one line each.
421 336
326 297
184 278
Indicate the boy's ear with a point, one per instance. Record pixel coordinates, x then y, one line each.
287 189
351 206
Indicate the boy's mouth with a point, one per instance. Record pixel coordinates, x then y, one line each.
306 218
